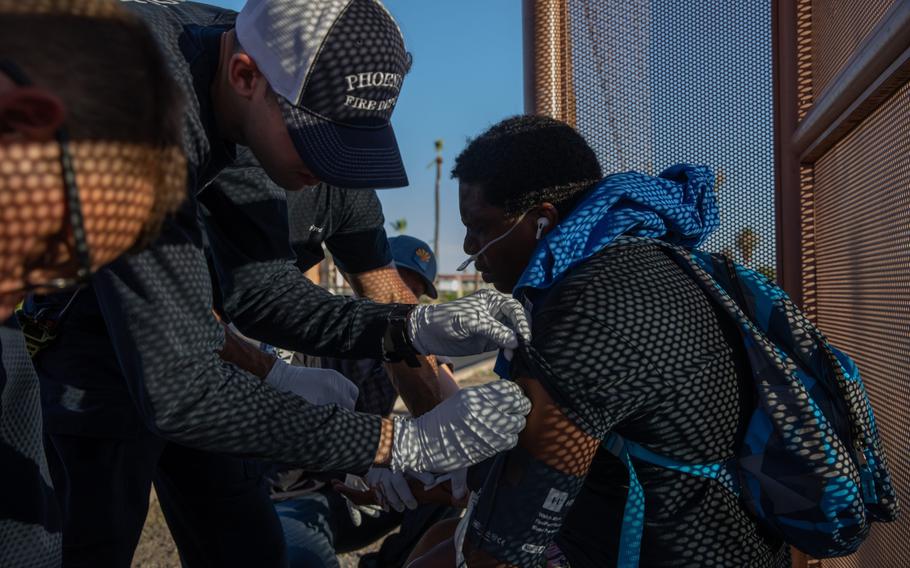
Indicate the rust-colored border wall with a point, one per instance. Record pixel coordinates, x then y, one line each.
844 187
789 101
548 85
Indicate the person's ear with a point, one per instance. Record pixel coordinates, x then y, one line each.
244 76
31 114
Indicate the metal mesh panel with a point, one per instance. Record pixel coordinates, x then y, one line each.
838 28
854 206
657 82
805 92
805 97
807 221
552 93
862 207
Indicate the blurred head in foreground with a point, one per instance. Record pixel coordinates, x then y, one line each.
90 159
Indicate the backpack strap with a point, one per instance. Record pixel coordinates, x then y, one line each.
633 515
722 472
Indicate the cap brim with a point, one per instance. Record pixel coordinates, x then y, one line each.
351 158
431 290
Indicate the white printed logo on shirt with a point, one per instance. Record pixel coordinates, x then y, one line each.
556 500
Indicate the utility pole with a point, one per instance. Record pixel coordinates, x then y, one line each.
438 145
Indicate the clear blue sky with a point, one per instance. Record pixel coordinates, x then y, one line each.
467 75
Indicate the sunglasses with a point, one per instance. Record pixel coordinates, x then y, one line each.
79 248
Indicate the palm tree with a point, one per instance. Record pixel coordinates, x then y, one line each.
399 225
746 241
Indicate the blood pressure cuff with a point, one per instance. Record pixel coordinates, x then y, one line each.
537 498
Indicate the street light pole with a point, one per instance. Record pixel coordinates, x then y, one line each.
438 145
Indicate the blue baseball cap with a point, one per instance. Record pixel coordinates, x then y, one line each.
416 255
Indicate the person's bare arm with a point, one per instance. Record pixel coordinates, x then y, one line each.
243 354
447 384
419 387
551 438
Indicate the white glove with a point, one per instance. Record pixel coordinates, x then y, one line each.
355 511
484 321
470 426
317 386
459 479
392 488
462 529
459 483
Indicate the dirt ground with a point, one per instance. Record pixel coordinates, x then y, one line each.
156 547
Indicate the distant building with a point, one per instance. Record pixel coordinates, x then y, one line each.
460 284
450 286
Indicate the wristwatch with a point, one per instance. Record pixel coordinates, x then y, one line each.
396 343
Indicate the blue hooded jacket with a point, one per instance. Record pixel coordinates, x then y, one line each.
678 206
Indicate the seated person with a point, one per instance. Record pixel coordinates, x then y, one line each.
623 342
317 522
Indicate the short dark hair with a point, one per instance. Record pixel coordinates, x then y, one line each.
526 160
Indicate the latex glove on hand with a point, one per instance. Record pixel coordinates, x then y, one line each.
357 510
458 478
484 321
470 426
391 488
316 386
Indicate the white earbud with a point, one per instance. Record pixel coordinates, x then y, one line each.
542 223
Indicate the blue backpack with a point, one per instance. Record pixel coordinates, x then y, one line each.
811 467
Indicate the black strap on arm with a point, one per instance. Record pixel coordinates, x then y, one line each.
396 343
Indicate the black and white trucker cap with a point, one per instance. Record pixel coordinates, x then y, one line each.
337 68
